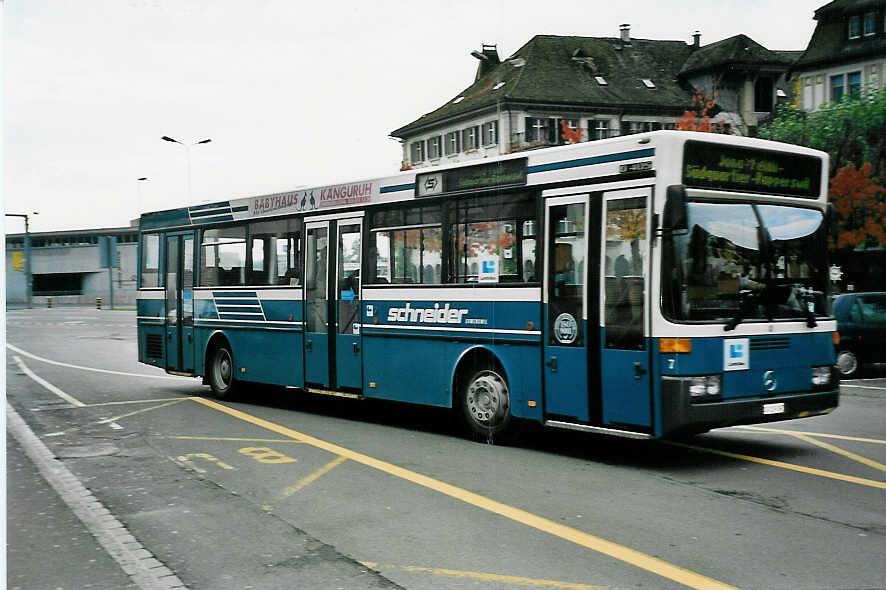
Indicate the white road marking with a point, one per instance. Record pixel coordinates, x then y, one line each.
143 568
68 398
82 368
862 386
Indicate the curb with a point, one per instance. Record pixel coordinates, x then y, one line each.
137 562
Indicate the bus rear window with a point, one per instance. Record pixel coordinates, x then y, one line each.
150 262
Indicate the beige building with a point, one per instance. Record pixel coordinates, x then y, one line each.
847 52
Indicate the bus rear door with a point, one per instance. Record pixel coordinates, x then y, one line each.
180 302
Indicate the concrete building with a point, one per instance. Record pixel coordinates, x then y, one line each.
847 52
66 267
559 89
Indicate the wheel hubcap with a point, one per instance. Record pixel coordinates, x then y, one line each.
487 398
223 367
846 362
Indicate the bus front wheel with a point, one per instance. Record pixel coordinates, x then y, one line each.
486 403
221 372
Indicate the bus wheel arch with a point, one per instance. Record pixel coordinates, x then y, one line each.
219 366
481 393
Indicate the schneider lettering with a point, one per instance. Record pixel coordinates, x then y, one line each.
429 315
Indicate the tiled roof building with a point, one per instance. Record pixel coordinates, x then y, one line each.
846 53
591 88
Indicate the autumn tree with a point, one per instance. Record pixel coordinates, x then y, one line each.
860 208
568 134
698 116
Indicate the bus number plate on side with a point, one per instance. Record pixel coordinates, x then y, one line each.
773 409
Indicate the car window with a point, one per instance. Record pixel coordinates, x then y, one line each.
872 309
855 312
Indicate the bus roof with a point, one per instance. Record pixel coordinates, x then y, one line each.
621 158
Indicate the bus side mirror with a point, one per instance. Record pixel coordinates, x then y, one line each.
675 217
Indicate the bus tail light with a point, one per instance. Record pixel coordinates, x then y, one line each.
836 338
675 345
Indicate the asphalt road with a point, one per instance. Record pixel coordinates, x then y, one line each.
284 490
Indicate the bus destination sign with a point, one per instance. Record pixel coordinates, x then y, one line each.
722 167
506 173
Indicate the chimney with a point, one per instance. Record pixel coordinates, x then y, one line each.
488 60
696 40
625 34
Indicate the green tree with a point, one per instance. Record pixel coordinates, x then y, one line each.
852 131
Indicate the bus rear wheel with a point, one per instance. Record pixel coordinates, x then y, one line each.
221 372
486 403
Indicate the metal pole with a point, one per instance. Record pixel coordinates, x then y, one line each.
111 284
29 277
188 154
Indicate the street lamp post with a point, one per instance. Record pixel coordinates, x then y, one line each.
138 188
187 147
29 278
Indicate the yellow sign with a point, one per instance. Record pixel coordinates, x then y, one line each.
18 261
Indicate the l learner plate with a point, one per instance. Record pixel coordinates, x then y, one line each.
773 409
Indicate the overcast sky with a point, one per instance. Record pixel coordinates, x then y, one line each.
291 93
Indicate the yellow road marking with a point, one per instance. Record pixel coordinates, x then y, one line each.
266 455
809 470
485 577
310 479
598 544
237 439
875 441
839 451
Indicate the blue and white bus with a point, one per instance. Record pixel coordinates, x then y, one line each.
642 286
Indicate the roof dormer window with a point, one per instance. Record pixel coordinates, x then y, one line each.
854 27
870 26
648 83
601 80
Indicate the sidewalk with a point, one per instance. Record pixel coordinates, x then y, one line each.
59 536
47 545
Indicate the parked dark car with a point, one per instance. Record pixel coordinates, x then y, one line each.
861 322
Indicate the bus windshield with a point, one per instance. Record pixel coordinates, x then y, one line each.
745 262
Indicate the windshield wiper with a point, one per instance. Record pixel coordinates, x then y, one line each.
743 303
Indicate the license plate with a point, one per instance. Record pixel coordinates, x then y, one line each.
773 409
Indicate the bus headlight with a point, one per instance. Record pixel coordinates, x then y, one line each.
821 376
704 386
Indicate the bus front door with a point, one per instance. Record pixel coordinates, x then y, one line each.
627 395
316 290
570 330
180 302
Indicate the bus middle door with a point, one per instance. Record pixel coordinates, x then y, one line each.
316 290
348 356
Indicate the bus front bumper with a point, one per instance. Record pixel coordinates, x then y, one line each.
680 416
